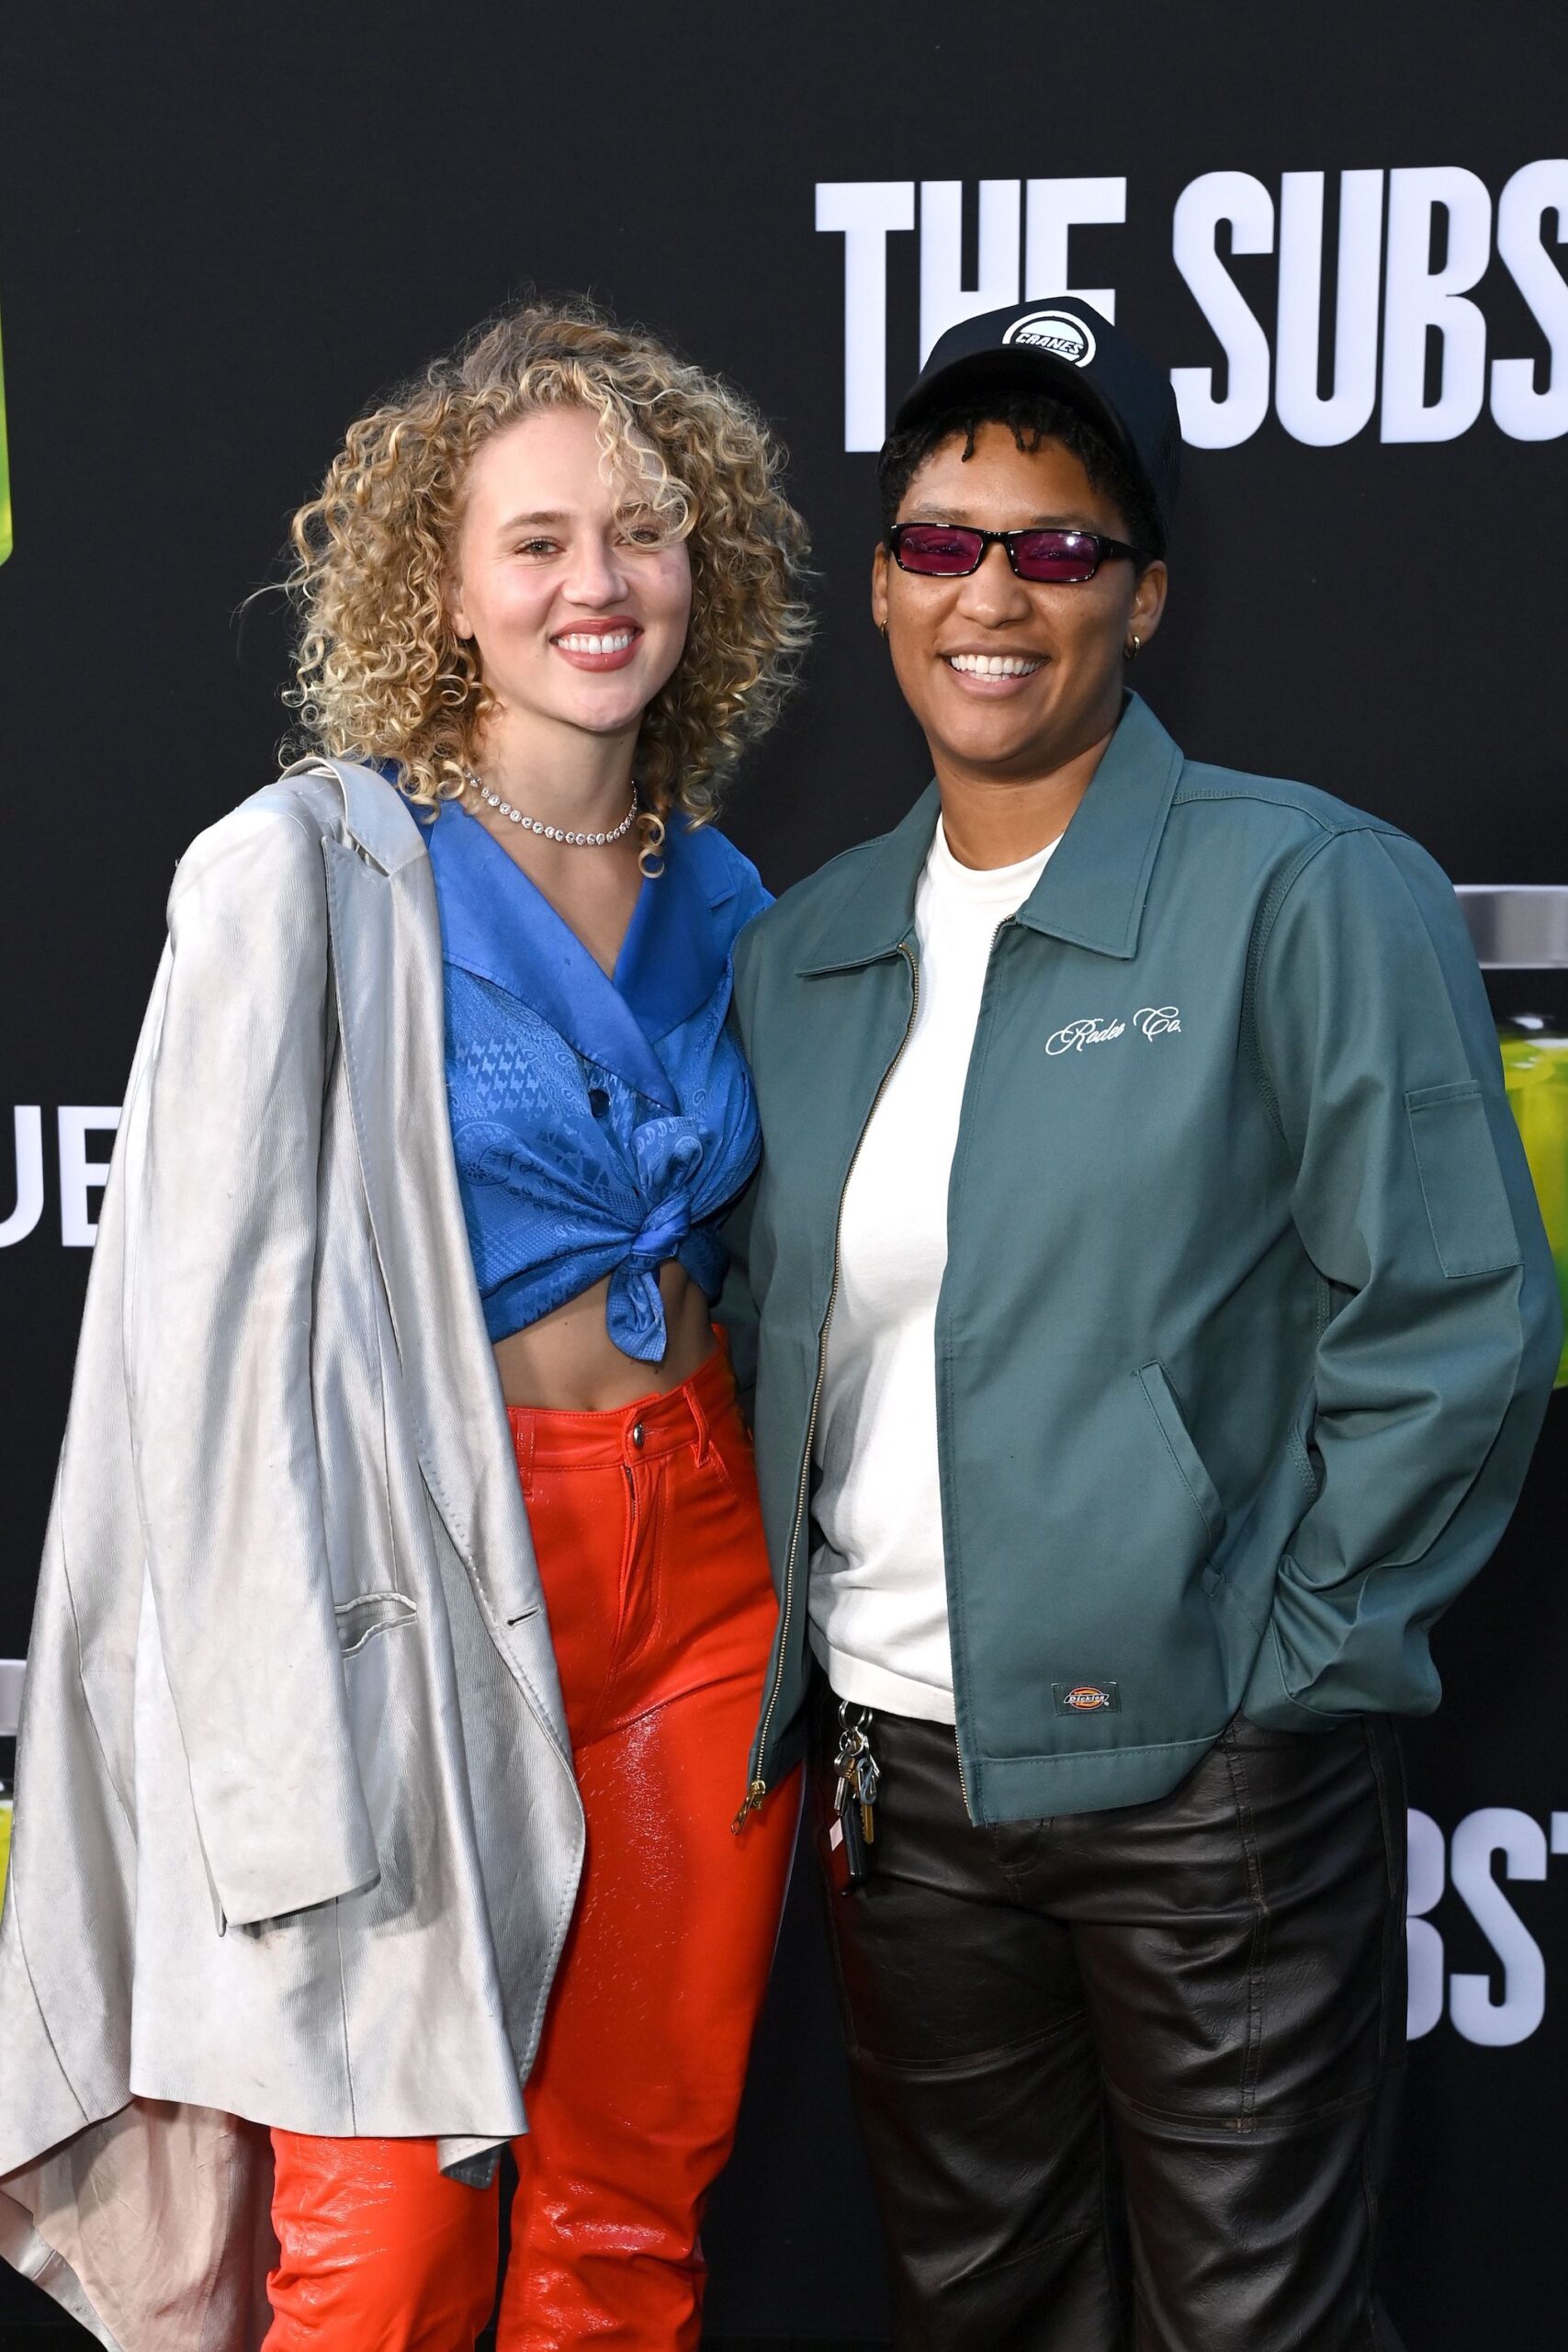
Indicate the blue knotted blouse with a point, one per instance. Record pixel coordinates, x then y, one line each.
600 1125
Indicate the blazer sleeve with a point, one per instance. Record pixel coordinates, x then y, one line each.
1413 1197
220 1262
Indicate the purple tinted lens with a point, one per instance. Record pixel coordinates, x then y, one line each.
938 548
1056 555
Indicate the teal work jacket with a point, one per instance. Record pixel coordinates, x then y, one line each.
1249 1320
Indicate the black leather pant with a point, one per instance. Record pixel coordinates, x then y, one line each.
1128 2078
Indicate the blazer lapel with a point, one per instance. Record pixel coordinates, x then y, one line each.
387 959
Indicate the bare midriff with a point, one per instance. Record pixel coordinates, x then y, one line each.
567 1362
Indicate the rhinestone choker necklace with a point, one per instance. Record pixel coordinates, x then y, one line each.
552 833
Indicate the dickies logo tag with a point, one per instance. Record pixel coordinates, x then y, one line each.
1087 1698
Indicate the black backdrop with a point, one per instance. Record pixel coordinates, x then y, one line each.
221 231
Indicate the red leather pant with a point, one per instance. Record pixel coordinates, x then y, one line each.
661 1611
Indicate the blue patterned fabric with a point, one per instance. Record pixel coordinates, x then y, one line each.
600 1125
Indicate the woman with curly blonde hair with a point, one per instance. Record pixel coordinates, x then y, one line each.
405 1608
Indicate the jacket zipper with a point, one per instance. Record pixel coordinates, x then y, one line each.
963 1784
757 1789
1006 923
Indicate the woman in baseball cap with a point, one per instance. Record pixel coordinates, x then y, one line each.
1120 1421
1043 418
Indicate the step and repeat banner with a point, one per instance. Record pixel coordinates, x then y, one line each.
1343 232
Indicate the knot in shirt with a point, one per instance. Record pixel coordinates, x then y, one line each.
669 1155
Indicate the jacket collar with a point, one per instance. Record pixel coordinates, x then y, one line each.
1092 891
377 819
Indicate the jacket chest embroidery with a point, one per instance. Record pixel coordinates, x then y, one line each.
1150 1021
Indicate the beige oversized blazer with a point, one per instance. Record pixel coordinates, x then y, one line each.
297 1836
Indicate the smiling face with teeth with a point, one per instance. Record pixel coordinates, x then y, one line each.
1015 682
576 595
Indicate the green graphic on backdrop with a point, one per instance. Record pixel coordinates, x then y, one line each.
1535 1070
5 475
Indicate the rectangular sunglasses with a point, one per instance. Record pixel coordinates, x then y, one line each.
950 551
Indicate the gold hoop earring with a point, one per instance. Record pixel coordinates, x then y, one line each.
882 630
1132 647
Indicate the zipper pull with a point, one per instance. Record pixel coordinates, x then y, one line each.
754 1796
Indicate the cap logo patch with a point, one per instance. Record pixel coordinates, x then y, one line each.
1057 332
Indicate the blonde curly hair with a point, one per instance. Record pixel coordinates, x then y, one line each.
381 671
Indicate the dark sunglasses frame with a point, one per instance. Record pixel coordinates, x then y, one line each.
1104 551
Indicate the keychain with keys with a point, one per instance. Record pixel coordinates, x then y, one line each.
852 1825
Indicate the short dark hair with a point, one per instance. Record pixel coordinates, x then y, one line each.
1031 417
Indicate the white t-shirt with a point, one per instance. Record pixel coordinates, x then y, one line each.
879 1591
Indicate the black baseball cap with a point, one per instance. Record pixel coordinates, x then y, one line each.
1064 347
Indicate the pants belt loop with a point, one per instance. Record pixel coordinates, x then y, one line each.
700 1444
524 1441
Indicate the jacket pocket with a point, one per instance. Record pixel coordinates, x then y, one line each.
1467 1201
368 1613
1189 1463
